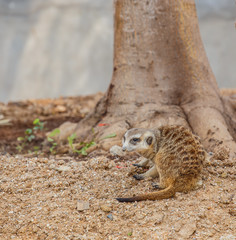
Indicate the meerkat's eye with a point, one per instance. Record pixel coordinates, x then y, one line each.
135 140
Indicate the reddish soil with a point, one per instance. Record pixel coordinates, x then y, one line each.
67 196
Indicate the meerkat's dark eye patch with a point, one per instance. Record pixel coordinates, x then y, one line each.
149 140
135 140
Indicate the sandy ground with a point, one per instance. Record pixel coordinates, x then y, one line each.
69 197
63 198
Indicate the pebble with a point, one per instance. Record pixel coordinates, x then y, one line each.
63 169
60 162
105 208
188 229
227 237
60 108
82 205
52 166
224 175
110 216
232 212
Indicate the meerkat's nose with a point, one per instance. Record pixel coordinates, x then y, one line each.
123 148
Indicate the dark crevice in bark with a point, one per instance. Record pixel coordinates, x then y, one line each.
186 118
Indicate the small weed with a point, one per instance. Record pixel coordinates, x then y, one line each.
85 145
71 139
84 148
52 141
38 125
29 135
109 136
24 141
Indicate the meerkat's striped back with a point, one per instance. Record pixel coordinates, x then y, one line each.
183 150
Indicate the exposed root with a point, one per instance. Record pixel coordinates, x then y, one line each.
212 128
208 123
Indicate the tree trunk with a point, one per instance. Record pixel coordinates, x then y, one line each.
161 76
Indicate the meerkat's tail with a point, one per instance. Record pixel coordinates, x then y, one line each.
162 194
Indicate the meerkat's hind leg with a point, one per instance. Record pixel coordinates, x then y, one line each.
152 172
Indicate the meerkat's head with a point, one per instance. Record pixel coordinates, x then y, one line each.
138 139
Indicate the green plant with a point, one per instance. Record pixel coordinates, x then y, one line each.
38 125
130 234
52 141
71 139
85 145
29 135
109 136
23 141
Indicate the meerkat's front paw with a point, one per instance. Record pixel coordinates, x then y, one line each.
117 151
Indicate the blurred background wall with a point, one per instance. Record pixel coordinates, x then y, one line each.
65 47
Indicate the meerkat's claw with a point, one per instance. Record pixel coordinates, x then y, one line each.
156 186
138 177
137 165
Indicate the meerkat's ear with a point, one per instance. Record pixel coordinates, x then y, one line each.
149 140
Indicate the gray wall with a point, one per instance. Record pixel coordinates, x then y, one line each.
52 48
217 27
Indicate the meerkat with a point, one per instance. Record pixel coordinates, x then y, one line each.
177 155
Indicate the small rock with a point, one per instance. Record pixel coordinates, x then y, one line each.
63 158
177 226
232 212
188 229
63 169
224 175
227 237
60 109
226 199
82 205
43 160
105 208
60 162
52 166
117 151
110 216
157 218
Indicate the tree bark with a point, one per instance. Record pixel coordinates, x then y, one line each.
161 76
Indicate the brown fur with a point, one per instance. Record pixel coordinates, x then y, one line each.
178 157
